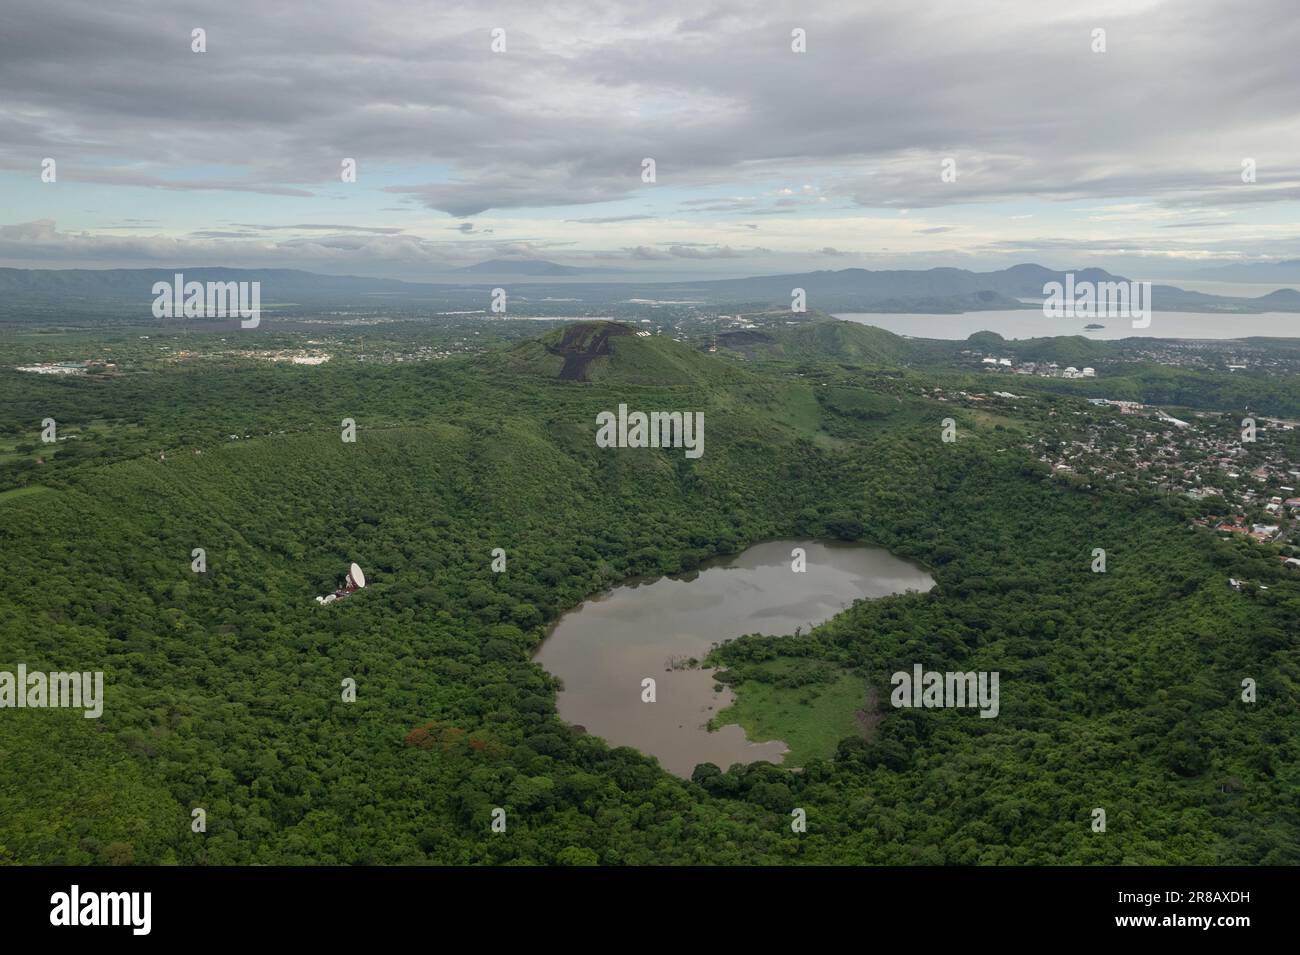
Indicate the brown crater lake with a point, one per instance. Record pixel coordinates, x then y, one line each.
606 646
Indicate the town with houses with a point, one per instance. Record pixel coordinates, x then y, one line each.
1240 474
1044 370
1244 475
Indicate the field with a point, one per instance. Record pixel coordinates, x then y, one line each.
811 719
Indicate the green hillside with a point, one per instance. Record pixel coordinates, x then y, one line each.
223 689
612 352
829 340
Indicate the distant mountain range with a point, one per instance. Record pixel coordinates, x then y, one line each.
931 290
865 290
54 285
1260 273
521 267
1017 282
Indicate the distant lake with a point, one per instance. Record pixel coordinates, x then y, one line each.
605 647
1031 323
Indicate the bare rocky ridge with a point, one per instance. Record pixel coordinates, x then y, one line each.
583 342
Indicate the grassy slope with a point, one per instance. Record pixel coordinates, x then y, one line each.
811 719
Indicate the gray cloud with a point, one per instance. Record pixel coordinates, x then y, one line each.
1011 91
692 250
646 253
222 234
321 227
709 88
697 252
41 244
604 220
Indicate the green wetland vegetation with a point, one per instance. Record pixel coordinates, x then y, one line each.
1119 690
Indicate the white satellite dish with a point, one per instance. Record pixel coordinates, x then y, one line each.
329 599
356 577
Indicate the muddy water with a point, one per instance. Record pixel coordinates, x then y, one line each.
605 647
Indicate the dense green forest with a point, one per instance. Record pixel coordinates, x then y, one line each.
1120 690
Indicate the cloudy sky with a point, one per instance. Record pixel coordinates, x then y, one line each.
766 159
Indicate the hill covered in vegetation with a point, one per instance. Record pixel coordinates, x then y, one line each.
224 689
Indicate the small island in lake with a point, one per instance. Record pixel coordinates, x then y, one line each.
1094 325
